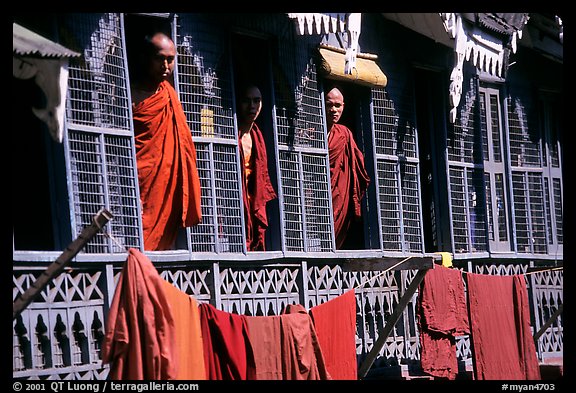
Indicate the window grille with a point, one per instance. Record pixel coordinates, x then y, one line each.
303 166
204 87
99 145
397 177
494 168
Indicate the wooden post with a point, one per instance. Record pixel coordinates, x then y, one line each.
383 335
548 322
56 267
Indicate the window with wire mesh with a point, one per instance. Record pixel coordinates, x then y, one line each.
303 160
397 175
204 80
97 86
204 87
469 199
551 126
533 216
99 145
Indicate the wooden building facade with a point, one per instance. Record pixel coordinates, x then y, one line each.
459 119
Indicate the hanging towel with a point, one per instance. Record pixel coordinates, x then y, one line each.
441 316
139 341
265 336
188 337
302 357
228 353
335 324
502 343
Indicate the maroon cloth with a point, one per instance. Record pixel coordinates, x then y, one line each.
335 324
258 193
349 179
140 331
441 315
302 357
502 343
167 172
228 353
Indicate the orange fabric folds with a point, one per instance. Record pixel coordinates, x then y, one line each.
503 345
349 179
167 172
441 316
266 336
335 324
302 357
189 346
139 339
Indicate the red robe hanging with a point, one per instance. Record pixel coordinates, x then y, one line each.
335 324
228 353
139 341
349 180
167 172
441 315
258 192
502 342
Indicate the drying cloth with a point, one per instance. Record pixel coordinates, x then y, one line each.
265 336
167 172
302 357
335 324
257 191
189 347
139 342
441 315
348 177
228 353
500 322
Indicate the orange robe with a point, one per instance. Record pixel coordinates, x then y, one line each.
188 334
257 191
167 173
139 341
348 177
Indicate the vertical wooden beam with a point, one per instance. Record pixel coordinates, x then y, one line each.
383 335
56 267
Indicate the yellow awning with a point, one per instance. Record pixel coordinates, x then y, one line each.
366 73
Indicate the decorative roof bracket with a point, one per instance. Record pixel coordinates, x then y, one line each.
325 23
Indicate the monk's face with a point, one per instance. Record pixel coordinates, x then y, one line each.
161 64
334 107
250 104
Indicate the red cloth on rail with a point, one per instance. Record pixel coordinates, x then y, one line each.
335 324
257 193
503 345
167 172
441 315
228 353
302 357
348 177
139 342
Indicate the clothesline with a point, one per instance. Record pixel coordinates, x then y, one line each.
381 273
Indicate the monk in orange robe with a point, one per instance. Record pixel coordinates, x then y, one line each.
348 176
165 151
257 188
